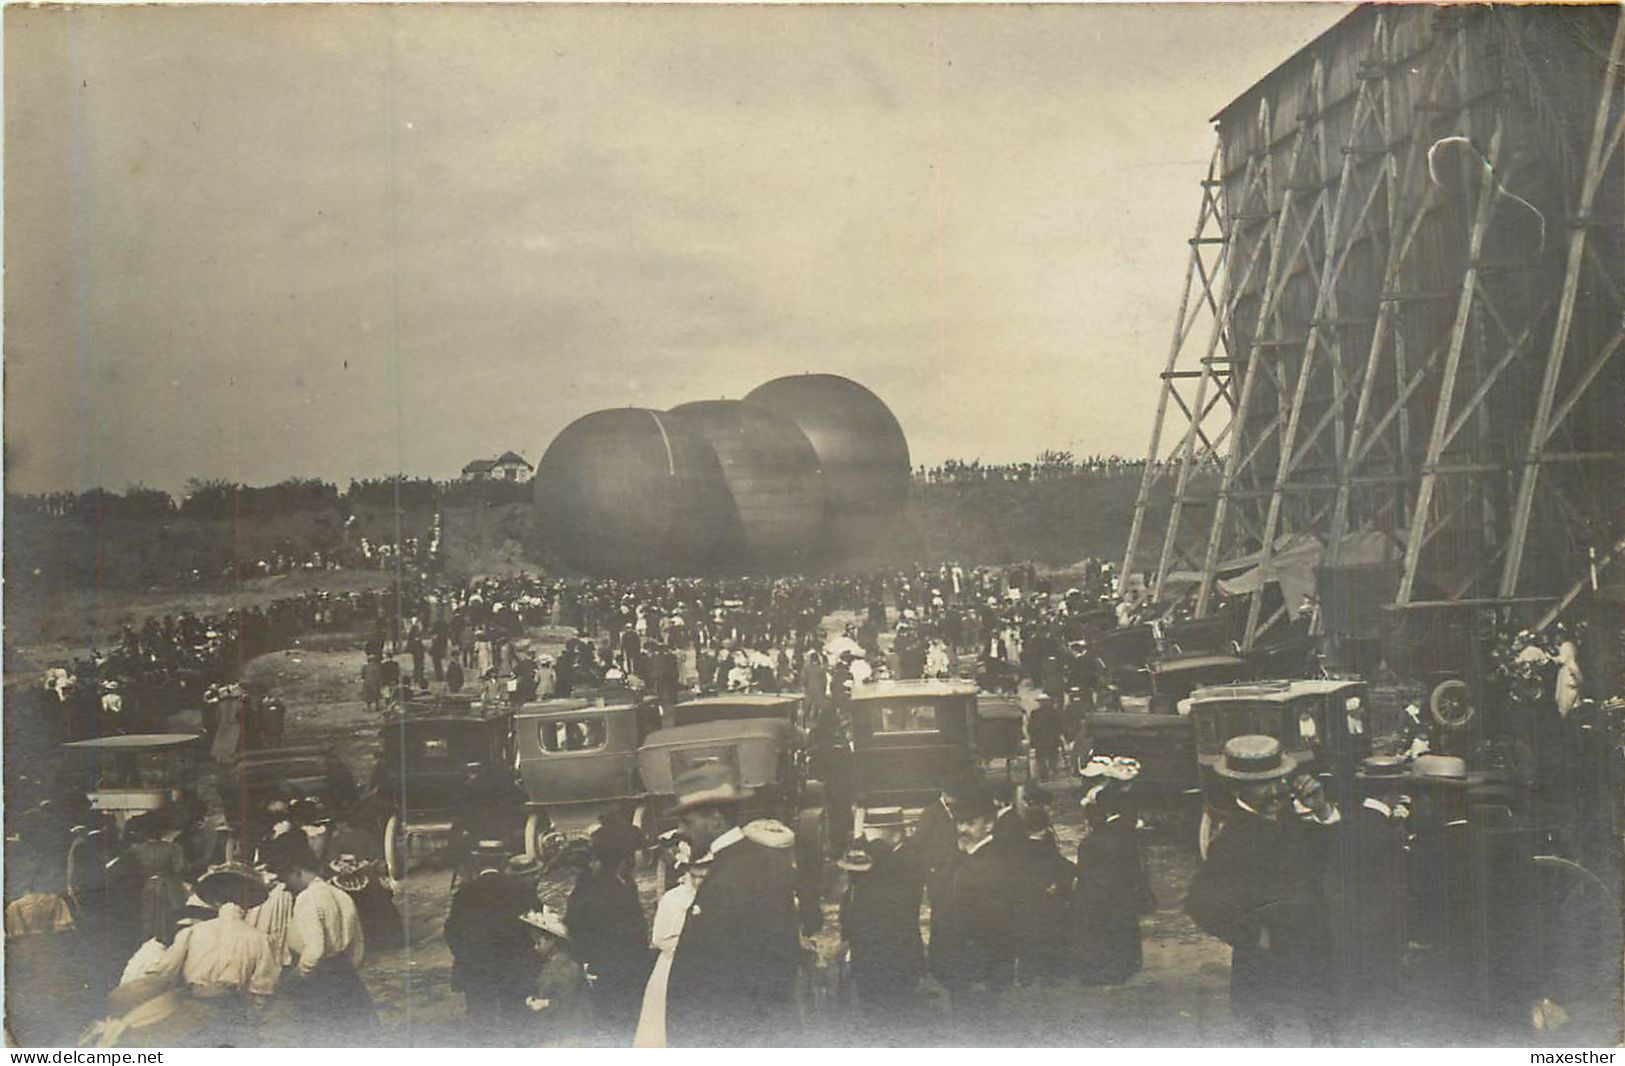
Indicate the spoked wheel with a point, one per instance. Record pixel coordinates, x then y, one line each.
1577 931
395 847
1449 704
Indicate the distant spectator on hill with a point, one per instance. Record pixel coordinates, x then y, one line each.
372 680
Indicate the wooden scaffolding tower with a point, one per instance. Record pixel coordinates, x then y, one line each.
1408 256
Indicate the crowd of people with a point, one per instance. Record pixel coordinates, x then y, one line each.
169 931
726 951
1050 466
149 671
172 932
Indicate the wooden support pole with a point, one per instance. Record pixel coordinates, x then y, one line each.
1596 164
1148 476
1249 385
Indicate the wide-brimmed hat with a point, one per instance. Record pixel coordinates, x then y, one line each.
1254 757
350 872
1379 767
548 921
1441 767
231 882
710 784
1112 767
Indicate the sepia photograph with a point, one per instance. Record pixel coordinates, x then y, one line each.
615 525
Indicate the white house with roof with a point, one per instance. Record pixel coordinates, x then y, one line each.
509 466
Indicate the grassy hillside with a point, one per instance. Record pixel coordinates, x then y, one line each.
71 575
1053 523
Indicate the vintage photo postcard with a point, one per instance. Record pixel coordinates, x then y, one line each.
659 525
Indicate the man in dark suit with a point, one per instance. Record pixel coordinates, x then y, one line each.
1369 877
880 918
608 931
733 976
1043 880
972 939
1261 892
492 958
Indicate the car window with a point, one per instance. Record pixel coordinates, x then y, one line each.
439 745
572 734
908 718
683 761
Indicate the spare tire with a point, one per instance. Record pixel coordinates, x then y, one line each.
1449 705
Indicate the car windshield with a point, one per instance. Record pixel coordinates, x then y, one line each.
141 770
572 734
908 718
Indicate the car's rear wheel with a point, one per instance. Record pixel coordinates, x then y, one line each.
537 826
1575 928
395 847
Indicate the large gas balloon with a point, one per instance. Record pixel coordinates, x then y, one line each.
774 476
860 446
636 492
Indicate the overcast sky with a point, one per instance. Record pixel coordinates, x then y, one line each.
345 241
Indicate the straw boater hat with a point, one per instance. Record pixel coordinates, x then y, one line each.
707 785
1382 767
1254 757
884 818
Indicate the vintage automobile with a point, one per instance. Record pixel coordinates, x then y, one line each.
1152 729
577 758
130 774
910 739
1172 679
1199 636
446 783
768 757
1090 623
766 754
739 706
1122 654
290 773
1284 651
1322 722
1164 744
